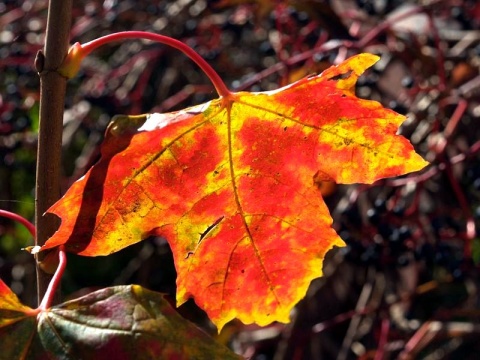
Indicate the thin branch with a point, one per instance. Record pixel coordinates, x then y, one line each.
52 96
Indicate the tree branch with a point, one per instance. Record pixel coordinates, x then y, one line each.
52 99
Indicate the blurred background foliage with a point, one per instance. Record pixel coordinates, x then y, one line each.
407 284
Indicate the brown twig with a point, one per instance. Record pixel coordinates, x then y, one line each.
52 96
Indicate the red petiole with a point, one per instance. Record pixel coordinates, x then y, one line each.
78 51
54 283
20 219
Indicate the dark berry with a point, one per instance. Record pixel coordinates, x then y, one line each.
407 82
373 216
403 260
380 205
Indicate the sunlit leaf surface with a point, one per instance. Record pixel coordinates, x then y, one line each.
232 185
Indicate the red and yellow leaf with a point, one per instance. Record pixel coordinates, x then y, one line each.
17 324
233 186
128 322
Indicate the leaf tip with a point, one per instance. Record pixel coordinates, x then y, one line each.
33 250
361 62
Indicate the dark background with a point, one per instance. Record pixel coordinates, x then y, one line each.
407 285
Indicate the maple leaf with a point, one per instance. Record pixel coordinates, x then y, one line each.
232 185
119 320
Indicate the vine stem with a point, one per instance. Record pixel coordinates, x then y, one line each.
78 53
51 291
30 227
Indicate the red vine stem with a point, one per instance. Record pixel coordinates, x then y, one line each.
340 318
217 81
382 342
55 282
440 55
30 227
470 222
377 30
455 118
325 46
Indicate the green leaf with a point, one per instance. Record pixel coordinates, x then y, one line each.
123 322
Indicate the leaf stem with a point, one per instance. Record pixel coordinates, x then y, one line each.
55 282
88 47
30 227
